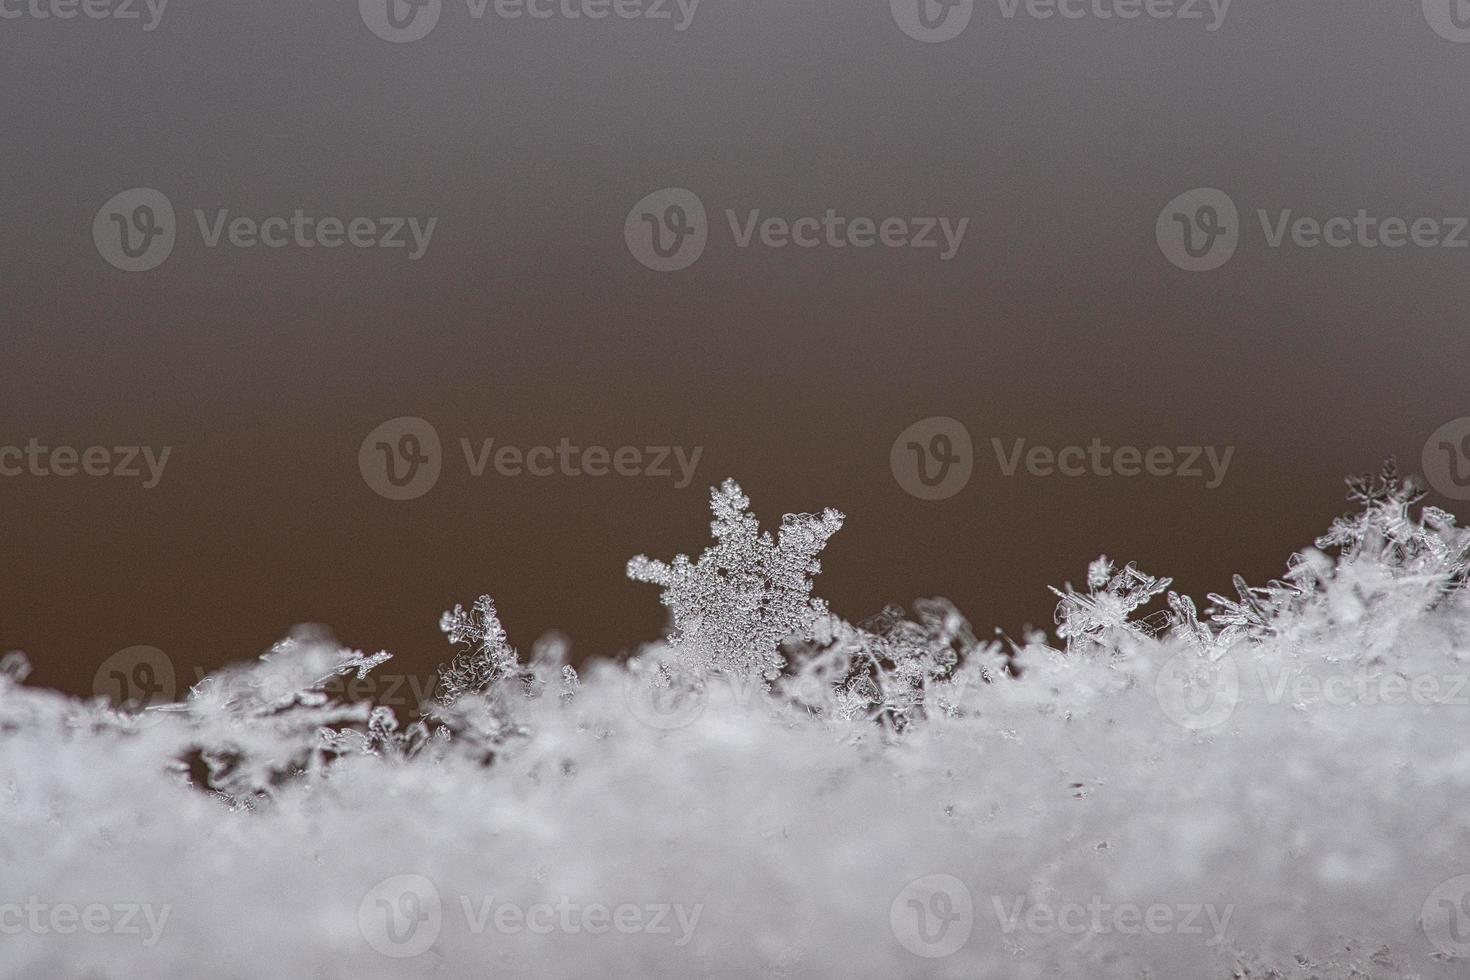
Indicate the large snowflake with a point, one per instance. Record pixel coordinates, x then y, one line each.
749 592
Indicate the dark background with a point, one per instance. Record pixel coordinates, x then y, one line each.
528 320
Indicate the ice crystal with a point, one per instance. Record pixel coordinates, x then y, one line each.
253 728
1085 620
890 668
488 657
382 737
278 823
746 594
1385 531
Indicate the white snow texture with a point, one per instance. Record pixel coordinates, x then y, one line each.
1275 787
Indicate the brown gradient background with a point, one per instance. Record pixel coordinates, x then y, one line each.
529 321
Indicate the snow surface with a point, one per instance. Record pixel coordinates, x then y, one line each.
1277 787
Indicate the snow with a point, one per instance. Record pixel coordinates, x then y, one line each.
1274 788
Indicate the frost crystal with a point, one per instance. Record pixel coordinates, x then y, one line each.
748 593
1383 530
489 657
1084 620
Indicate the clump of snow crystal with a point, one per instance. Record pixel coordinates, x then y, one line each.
1273 787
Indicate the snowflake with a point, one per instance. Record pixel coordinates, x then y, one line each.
489 658
749 592
1111 598
1384 529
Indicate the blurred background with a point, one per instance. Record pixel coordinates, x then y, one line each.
529 320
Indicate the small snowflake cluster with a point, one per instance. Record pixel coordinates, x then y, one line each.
1112 596
489 656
